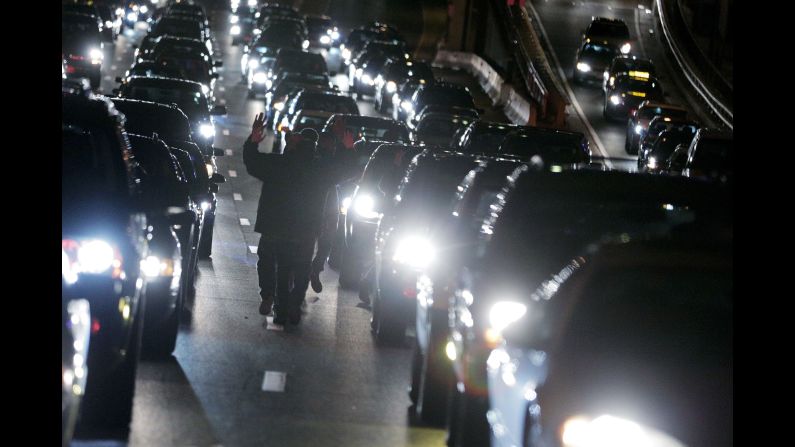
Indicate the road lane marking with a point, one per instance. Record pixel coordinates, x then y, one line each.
252 249
113 67
225 132
107 78
237 197
222 88
245 222
232 173
599 146
274 381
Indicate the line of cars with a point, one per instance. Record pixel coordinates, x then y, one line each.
139 196
552 301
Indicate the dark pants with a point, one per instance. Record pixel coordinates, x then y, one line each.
327 231
287 263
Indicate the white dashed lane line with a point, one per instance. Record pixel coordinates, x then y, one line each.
274 381
237 197
232 173
252 249
225 132
245 222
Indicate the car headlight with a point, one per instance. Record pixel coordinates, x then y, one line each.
584 431
234 19
395 99
144 9
615 99
260 77
305 44
119 11
346 203
257 31
108 24
346 54
210 169
205 89
638 129
325 39
278 106
504 313
651 163
358 73
153 266
625 48
235 30
367 79
252 64
415 251
391 87
582 66
335 35
93 256
207 130
96 56
365 206
406 106
252 3
135 8
132 17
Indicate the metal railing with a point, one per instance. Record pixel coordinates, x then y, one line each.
704 78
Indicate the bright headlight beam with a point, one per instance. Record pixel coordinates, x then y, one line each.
615 99
391 87
504 313
235 30
608 430
626 48
260 77
365 206
582 66
207 130
95 256
638 129
415 251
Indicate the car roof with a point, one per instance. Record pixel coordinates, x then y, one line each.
716 134
160 80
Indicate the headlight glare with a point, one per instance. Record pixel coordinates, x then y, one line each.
235 30
153 266
615 99
260 77
278 106
346 203
365 206
325 39
207 130
367 79
391 87
95 256
625 48
253 63
504 313
415 251
582 66
607 430
638 129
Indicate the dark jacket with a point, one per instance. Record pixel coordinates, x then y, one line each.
293 192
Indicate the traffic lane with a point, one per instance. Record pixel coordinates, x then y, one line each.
564 23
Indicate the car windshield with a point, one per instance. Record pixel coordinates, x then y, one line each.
152 69
180 28
486 140
600 51
650 112
442 126
192 103
78 28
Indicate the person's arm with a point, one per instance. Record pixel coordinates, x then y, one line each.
257 164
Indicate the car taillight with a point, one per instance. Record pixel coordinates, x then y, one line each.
77 57
70 69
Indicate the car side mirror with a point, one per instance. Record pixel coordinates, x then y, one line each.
119 79
214 188
218 64
218 152
218 178
218 110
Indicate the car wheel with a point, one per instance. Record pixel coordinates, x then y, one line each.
159 342
435 377
469 427
106 408
206 242
388 331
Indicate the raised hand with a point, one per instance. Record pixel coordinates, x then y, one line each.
258 128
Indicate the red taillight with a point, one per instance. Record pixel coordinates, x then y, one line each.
70 69
94 326
410 292
77 57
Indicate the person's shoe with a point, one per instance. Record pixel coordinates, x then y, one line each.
314 279
295 315
279 319
265 305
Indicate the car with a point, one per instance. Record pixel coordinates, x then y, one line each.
676 162
638 123
658 125
554 147
642 323
591 61
242 25
438 128
162 268
75 338
266 45
312 119
710 155
626 95
179 27
188 95
294 25
628 65
652 159
286 87
323 33
393 75
194 66
361 211
151 68
297 61
323 100
482 137
608 32
82 47
269 10
360 36
401 99
135 12
541 220
454 238
172 126
103 220
440 93
365 68
402 248
94 12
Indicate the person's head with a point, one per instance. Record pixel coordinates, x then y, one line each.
300 148
325 143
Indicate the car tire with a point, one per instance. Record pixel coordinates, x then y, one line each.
206 241
387 331
106 407
434 380
159 342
